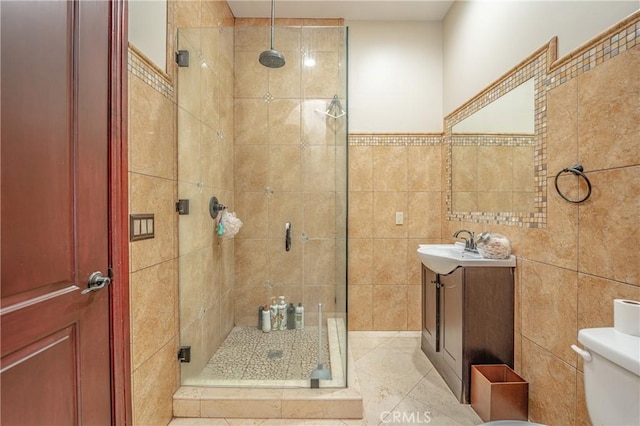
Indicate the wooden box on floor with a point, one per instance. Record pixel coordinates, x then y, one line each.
499 393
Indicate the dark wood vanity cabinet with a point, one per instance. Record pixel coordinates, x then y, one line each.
467 318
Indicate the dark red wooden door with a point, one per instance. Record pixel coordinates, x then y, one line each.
55 366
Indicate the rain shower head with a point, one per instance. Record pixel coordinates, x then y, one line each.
272 58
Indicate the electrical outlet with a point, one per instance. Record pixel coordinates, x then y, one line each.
399 218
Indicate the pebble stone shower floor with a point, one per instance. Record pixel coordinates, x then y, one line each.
250 354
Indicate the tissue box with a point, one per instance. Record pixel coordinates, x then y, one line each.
499 393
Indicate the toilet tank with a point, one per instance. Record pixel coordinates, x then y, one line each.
612 377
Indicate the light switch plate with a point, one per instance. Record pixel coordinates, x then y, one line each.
399 218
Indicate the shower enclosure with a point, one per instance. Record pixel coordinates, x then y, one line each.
271 146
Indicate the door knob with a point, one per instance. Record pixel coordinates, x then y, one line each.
96 282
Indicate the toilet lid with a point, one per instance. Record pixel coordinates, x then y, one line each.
619 348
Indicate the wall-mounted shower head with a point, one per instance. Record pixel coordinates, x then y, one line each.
272 58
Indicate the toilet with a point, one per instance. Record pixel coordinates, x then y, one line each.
611 375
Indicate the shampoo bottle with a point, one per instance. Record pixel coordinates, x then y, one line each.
266 319
291 317
275 325
299 317
282 314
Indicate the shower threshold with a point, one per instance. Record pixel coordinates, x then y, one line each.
276 399
279 359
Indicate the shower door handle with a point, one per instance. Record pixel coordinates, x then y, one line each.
287 236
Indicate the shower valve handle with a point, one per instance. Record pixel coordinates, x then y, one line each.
287 236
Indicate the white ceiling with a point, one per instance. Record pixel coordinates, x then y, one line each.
376 10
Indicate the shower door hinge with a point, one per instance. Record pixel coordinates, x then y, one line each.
182 58
184 354
182 206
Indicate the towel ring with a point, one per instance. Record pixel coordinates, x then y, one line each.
577 170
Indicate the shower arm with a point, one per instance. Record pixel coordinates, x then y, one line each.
273 20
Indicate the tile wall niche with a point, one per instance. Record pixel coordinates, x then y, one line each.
569 271
389 174
155 264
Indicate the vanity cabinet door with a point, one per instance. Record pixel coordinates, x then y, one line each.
430 308
451 288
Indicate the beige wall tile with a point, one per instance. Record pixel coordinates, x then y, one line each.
192 280
251 121
286 207
360 307
153 328
608 108
595 300
553 327
286 267
423 168
319 262
390 166
319 168
361 168
187 13
360 214
285 168
562 127
552 385
414 307
251 262
385 206
320 214
154 383
251 38
285 82
360 261
153 195
189 137
151 131
251 78
389 261
423 214
557 243
284 122
322 80
390 307
250 163
252 208
607 220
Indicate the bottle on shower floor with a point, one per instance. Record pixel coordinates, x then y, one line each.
282 314
275 325
266 319
299 317
291 317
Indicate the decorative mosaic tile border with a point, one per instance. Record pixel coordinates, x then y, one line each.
379 139
142 68
549 73
617 40
493 140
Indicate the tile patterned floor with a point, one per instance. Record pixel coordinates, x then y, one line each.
249 354
399 387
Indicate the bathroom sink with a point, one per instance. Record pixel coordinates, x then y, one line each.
444 258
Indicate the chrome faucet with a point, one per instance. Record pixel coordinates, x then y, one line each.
469 243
